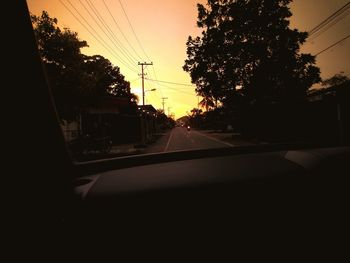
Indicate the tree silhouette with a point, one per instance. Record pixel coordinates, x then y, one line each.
247 44
77 80
164 121
207 103
336 80
103 78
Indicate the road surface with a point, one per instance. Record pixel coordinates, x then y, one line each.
180 139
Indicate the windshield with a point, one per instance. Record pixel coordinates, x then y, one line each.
139 77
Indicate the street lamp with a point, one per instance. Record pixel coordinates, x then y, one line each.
150 90
147 91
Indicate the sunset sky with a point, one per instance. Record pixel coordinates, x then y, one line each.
162 28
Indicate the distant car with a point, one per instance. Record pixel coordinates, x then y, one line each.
188 128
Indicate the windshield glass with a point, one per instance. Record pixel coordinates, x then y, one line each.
138 77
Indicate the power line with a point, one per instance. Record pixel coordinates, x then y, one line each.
117 25
104 32
159 88
142 64
98 38
329 19
110 49
159 94
328 26
158 98
155 75
179 91
336 43
174 89
150 94
174 83
134 33
123 50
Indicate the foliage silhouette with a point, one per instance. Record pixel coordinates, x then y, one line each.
77 80
336 80
247 47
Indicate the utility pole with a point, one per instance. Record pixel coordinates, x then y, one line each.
169 111
142 64
163 102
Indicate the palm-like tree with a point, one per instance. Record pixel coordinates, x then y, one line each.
207 103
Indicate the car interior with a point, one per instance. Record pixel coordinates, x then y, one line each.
199 196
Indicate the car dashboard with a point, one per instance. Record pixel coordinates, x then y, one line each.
219 194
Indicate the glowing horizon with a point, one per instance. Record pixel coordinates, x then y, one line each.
163 26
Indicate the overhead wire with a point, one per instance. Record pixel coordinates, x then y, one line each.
120 30
138 41
177 90
333 45
125 52
103 30
158 89
329 19
96 36
149 93
122 48
111 50
317 34
142 49
159 92
133 30
170 82
155 76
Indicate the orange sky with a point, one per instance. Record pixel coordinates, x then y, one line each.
163 26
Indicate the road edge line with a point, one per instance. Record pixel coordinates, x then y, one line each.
167 145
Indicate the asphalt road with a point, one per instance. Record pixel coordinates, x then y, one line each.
180 139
